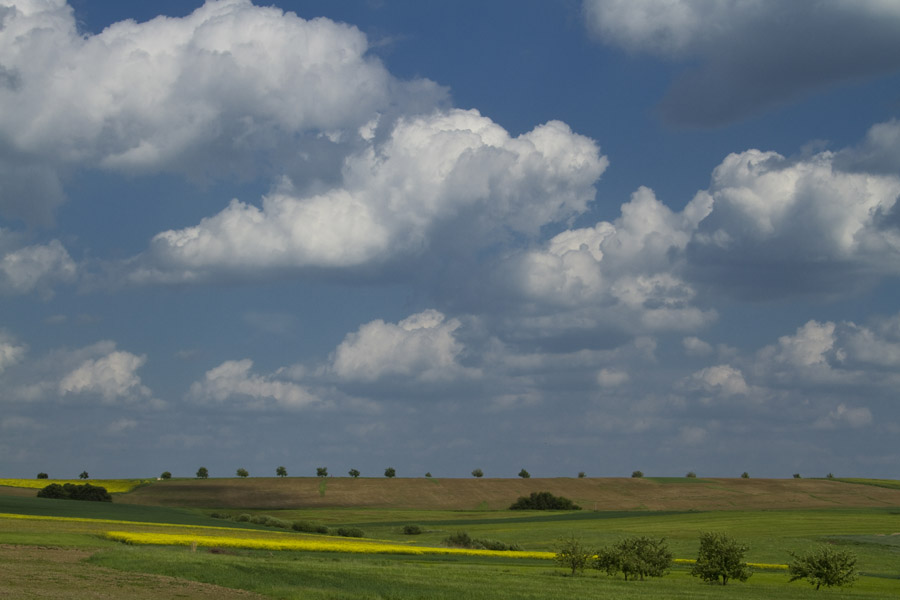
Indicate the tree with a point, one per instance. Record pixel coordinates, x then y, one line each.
281 472
165 475
543 501
477 473
202 473
43 476
321 471
637 473
829 476
745 475
353 473
720 556
572 554
428 474
390 472
635 556
796 475
581 475
524 474
824 566
242 472
84 475
691 474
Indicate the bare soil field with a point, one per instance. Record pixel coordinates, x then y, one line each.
470 494
41 572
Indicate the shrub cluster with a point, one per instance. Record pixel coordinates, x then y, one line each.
543 501
307 527
354 532
635 556
413 530
461 539
71 491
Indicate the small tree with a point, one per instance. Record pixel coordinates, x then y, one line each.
796 475
745 475
242 472
281 472
477 473
571 553
637 473
691 474
43 476
829 476
84 475
720 556
635 556
428 474
353 473
202 473
824 566
581 475
390 472
165 475
321 471
524 474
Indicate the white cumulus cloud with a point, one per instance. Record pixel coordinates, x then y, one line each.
233 381
113 377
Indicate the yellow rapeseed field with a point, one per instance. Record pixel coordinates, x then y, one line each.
309 544
767 566
113 486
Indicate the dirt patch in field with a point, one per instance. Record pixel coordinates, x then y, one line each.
471 494
31 572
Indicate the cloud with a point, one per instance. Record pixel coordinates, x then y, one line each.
112 377
452 180
36 268
229 88
750 56
235 383
694 346
854 417
723 381
10 351
421 347
879 152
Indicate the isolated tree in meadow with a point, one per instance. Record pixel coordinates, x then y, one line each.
428 474
721 557
581 475
390 472
353 473
477 473
202 473
321 471
745 475
691 474
637 557
824 566
84 475
43 476
524 474
165 475
637 473
796 475
571 553
281 472
242 472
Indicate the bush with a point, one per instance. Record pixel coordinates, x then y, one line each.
70 491
413 530
43 476
462 539
524 474
829 476
321 471
691 474
390 472
428 474
307 527
637 473
165 475
824 566
242 472
572 554
84 475
796 475
353 473
745 475
581 475
354 532
477 473
243 518
543 501
635 556
721 556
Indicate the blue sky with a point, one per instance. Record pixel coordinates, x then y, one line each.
591 236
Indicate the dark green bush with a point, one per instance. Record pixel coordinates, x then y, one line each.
354 532
70 491
543 501
413 529
43 476
461 539
243 518
307 527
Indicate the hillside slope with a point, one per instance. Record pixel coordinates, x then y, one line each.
469 494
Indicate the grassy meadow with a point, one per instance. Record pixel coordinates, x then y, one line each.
171 543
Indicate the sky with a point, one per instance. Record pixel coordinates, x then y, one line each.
577 236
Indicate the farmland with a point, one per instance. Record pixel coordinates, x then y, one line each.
174 544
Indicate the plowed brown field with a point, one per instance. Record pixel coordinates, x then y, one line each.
469 494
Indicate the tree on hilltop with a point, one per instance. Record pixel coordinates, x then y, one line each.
524 474
84 475
242 472
353 473
281 472
477 473
321 471
202 473
390 472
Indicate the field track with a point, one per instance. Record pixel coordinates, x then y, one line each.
470 494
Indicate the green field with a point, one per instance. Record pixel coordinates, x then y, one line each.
46 555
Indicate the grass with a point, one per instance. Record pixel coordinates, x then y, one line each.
873 533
